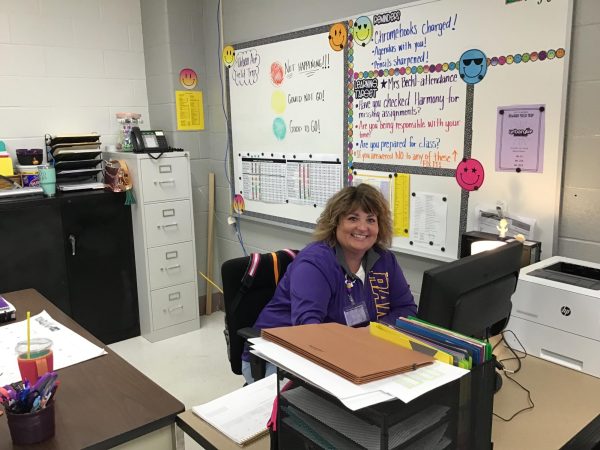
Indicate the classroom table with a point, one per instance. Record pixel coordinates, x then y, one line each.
102 403
565 402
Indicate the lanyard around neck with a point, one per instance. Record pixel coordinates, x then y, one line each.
349 285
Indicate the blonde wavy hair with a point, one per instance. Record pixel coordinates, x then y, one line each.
348 200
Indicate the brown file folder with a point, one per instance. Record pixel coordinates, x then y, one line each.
349 352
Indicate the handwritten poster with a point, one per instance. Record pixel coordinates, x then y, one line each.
284 99
520 138
409 99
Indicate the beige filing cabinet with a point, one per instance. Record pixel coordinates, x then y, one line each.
165 250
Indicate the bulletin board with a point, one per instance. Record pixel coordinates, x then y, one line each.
446 106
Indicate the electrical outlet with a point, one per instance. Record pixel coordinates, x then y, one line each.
502 205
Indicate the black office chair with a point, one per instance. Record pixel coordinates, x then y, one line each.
249 283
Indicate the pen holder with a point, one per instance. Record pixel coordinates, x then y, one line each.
31 428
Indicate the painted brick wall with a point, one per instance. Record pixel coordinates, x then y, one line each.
67 66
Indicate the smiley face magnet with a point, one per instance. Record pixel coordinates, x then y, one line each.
228 56
472 66
469 174
362 31
337 36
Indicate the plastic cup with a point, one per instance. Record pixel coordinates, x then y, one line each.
31 428
39 361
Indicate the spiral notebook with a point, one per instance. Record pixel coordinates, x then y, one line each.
242 415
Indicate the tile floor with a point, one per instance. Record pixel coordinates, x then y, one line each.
192 367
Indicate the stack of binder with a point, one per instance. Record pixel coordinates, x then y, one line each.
76 160
349 352
440 343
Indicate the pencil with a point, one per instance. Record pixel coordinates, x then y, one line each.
206 278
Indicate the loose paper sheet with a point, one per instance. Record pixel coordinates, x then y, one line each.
68 347
428 219
406 386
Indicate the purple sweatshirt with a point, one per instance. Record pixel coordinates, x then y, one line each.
313 289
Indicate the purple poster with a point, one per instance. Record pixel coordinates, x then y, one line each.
520 138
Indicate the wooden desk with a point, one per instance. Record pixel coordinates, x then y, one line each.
103 402
212 439
565 401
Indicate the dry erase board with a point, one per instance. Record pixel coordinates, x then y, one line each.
414 91
287 125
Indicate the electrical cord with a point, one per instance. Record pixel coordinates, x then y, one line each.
227 120
226 165
235 225
508 373
155 157
238 232
513 358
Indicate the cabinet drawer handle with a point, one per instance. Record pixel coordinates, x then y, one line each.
174 296
167 225
173 308
72 241
168 212
176 266
161 182
172 255
165 168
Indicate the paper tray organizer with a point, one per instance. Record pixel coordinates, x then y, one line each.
311 418
75 157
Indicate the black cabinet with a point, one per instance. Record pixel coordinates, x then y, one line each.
31 249
77 250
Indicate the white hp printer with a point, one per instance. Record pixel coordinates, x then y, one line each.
556 313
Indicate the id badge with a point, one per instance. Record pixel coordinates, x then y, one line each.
356 314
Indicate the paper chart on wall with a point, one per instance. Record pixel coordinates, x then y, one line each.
297 178
428 219
68 347
383 182
395 189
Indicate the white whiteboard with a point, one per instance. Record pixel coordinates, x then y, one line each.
286 102
402 107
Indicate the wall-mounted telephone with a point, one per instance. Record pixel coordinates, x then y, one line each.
149 141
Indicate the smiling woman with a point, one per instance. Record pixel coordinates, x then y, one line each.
347 275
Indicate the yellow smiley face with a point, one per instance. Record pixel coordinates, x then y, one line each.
228 56
337 36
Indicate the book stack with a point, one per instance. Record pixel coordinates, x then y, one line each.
76 160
